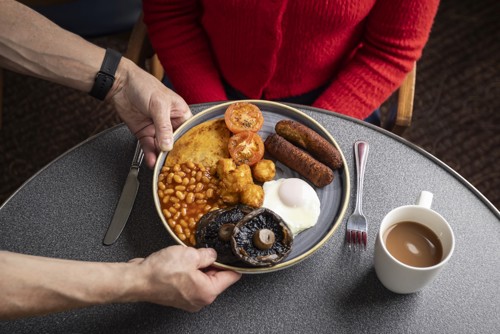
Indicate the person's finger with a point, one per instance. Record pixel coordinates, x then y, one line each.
149 149
207 257
150 159
221 280
160 113
180 112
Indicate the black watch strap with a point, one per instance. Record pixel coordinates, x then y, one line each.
106 76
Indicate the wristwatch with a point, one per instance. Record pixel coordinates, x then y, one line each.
106 76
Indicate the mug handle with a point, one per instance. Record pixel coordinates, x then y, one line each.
425 199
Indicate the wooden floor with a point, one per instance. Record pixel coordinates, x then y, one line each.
456 118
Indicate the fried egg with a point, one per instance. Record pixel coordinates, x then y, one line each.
294 200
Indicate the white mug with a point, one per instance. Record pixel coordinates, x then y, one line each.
398 276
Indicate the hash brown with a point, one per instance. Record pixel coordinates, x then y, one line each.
205 143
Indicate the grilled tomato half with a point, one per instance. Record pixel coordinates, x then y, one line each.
243 116
246 148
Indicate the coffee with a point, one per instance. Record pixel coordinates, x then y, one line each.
413 244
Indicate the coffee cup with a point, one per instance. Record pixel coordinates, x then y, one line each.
413 244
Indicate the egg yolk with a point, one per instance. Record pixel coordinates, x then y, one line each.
293 192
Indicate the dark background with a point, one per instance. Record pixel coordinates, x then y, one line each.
456 115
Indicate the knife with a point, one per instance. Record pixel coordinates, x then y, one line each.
127 199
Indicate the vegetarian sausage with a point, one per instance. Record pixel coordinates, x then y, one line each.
295 158
311 141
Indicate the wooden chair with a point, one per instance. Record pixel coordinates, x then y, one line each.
405 96
141 52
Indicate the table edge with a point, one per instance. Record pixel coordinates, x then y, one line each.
61 156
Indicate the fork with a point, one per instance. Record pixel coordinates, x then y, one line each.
357 228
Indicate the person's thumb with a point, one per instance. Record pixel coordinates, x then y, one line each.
207 257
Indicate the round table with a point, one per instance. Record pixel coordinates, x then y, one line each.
65 209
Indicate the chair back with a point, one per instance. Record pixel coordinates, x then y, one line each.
140 51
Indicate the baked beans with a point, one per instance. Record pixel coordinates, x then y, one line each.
187 191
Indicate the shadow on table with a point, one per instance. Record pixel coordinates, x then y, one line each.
369 296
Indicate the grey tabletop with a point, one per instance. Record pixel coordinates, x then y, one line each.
64 212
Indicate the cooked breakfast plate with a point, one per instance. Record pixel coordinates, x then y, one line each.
333 197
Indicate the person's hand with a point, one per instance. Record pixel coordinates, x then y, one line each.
150 110
177 276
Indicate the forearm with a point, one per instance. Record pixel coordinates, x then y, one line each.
32 285
33 45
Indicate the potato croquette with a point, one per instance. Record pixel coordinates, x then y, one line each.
252 195
264 170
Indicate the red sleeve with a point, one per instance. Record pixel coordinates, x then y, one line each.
395 34
175 30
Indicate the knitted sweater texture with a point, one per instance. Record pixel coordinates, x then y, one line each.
360 50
